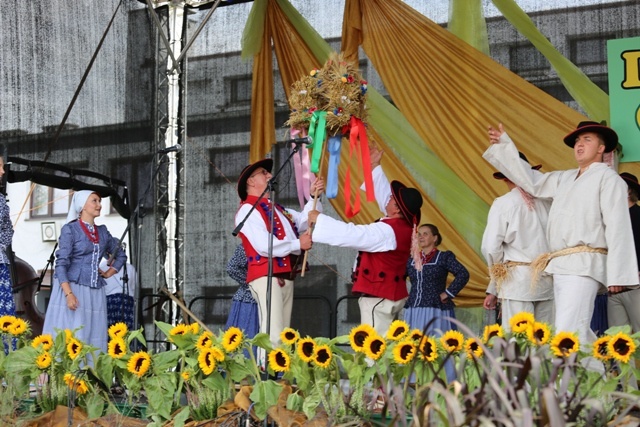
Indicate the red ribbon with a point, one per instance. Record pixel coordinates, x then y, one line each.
358 135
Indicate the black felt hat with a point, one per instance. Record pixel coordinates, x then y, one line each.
609 135
248 171
409 201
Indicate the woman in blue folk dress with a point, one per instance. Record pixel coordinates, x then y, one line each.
78 297
244 309
7 303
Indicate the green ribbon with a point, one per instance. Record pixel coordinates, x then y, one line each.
317 132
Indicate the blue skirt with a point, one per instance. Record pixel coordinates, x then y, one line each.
91 314
244 315
431 318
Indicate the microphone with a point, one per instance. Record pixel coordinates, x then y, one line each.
300 141
171 149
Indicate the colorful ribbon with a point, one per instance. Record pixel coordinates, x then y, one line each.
301 167
334 144
317 132
358 135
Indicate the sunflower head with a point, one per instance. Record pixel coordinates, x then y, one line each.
473 348
323 356
194 328
18 327
279 360
43 361
452 341
6 322
117 348
428 348
232 339
621 347
404 351
179 329
44 340
74 347
207 360
359 335
521 322
564 344
374 346
416 335
185 375
306 349
397 330
289 336
118 330
491 331
601 348
217 353
139 363
205 340
539 333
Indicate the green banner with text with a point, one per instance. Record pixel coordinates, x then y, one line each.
624 94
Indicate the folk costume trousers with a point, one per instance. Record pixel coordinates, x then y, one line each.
543 311
379 312
575 298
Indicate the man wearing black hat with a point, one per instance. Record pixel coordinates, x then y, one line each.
288 240
589 231
515 236
385 246
623 308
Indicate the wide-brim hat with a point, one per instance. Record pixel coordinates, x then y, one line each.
631 180
267 164
609 135
409 201
500 175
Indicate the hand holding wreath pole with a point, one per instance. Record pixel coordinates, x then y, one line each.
319 184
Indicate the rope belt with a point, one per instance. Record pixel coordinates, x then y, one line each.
540 263
500 272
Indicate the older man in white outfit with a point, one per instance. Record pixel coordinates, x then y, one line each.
589 230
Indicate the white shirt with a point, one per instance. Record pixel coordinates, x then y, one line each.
515 233
255 229
114 283
587 210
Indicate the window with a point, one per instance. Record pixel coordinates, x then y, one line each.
526 59
590 50
48 201
239 89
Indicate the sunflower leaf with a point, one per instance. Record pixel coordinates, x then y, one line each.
265 395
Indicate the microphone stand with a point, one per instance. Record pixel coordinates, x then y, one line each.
271 185
134 216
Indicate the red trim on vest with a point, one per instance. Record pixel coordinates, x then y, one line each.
256 263
383 274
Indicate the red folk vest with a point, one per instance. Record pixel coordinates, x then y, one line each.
256 263
383 274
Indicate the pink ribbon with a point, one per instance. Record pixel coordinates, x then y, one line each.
302 169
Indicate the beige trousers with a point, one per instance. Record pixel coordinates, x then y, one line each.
543 311
379 312
281 305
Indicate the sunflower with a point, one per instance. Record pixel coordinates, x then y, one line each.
289 336
374 346
565 343
185 375
539 333
359 335
279 360
491 331
44 340
43 360
195 328
601 348
522 321
323 356
428 348
217 353
232 339
397 330
118 330
473 348
207 361
117 348
452 341
74 347
621 347
68 334
18 327
306 349
205 340
179 329
416 335
404 351
139 363
6 322
80 386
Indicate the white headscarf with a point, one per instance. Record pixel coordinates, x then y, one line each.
77 203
